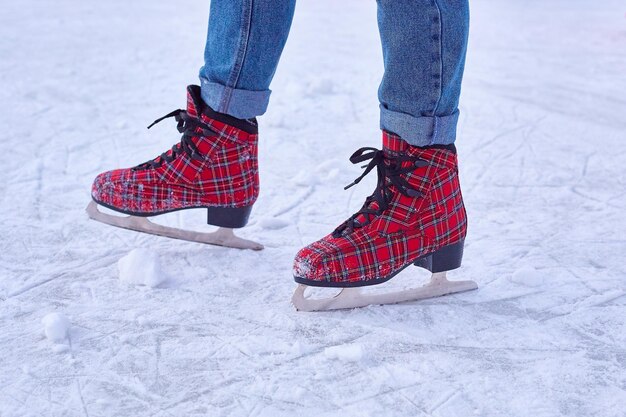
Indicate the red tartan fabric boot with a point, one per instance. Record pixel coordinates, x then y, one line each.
214 166
415 216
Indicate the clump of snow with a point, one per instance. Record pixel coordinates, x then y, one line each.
529 276
352 352
56 327
272 223
141 267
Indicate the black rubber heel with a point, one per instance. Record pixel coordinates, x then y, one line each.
230 217
445 259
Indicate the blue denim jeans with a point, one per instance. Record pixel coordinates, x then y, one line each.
423 41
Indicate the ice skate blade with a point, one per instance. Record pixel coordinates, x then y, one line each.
221 237
352 297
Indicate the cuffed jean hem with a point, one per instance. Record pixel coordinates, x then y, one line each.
420 131
242 104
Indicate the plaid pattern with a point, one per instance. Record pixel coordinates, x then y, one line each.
226 175
410 228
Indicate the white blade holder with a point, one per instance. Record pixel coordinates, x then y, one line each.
221 237
353 297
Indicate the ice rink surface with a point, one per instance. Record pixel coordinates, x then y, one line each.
542 145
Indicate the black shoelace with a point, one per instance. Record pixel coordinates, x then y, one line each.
390 172
188 126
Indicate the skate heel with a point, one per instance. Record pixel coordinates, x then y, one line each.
445 259
230 217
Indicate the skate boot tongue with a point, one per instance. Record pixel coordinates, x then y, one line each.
195 104
196 107
393 145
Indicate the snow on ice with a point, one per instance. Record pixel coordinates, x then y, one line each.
542 150
141 267
56 327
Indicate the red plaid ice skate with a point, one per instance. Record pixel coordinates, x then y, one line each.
415 213
213 166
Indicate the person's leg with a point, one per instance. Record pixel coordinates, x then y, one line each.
244 43
415 216
424 44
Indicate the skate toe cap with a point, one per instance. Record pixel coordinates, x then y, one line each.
319 262
103 185
108 186
310 264
100 185
334 262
